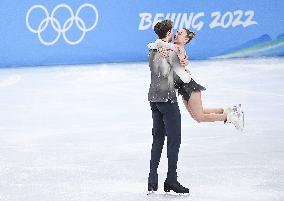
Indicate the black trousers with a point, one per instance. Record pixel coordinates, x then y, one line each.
166 122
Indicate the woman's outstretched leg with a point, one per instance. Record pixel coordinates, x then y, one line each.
187 108
195 108
213 110
205 110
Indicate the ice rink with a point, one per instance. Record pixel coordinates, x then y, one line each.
83 133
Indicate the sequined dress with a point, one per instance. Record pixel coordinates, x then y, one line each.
185 89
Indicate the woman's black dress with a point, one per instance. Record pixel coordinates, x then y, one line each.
185 89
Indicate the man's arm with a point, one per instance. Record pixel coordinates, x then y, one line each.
178 68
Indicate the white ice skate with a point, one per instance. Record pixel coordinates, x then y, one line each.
236 117
238 109
227 110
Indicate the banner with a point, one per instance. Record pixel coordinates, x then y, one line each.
41 32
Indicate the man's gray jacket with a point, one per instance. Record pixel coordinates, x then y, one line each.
163 71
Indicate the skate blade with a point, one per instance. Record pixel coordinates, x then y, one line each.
174 194
151 192
243 120
242 117
168 194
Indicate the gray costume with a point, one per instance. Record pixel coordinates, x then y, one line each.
162 76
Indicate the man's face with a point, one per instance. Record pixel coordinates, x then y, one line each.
180 37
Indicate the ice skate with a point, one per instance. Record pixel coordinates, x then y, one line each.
152 188
227 110
176 187
235 118
238 109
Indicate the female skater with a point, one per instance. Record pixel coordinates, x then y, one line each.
191 92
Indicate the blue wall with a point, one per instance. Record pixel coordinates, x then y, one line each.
224 29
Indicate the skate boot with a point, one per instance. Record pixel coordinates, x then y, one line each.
226 112
238 109
176 187
152 187
235 118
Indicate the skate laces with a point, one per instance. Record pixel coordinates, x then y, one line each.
179 185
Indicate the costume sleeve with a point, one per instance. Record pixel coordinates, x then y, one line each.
178 68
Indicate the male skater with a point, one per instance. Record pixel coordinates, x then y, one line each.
165 110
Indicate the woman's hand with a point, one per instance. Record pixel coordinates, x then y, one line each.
184 61
164 52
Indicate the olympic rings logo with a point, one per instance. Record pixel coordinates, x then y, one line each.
57 26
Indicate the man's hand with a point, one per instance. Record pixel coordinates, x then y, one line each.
164 52
184 61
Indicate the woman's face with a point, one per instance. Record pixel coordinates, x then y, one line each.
180 37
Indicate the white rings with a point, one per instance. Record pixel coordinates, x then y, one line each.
57 26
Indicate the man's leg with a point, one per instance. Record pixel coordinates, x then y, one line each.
172 122
158 132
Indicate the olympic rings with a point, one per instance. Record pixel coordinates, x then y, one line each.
58 27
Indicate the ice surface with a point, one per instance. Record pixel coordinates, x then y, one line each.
83 133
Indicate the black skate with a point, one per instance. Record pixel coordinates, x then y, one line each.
176 187
152 187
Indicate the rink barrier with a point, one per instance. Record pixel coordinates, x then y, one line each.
97 31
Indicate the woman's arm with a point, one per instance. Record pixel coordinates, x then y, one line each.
152 46
174 61
159 43
163 48
179 50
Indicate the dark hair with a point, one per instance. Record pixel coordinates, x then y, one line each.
189 34
162 28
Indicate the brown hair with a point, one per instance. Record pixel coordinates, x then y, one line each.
162 28
189 34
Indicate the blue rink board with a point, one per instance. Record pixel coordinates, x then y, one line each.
40 32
